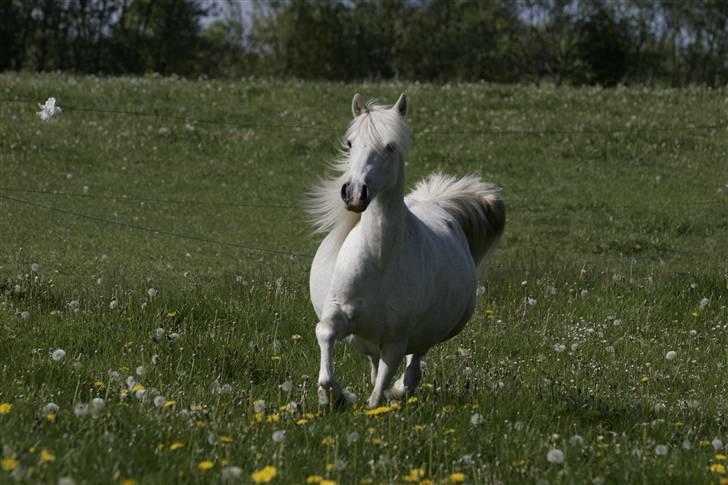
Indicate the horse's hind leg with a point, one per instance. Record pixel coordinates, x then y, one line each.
390 358
410 378
327 334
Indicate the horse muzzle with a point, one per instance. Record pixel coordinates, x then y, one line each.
355 196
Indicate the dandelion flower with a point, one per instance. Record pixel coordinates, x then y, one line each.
457 477
415 475
287 386
25 315
265 474
555 456
97 405
58 355
314 479
717 444
48 110
152 292
717 468
279 436
352 437
661 450
328 441
559 348
176 446
159 401
5 408
477 419
671 355
205 465
8 464
113 304
378 411
46 456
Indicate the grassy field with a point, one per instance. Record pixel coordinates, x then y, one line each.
190 357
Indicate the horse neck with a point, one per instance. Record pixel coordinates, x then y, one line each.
383 223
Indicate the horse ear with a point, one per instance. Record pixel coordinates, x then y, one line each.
357 105
401 105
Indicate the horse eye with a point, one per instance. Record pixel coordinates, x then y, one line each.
389 147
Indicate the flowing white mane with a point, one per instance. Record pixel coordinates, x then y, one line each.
376 126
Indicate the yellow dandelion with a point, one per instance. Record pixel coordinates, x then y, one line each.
644 378
5 408
695 314
427 385
717 468
224 439
723 481
412 400
8 464
395 406
679 424
448 408
129 481
176 446
489 314
200 424
46 456
415 475
136 388
51 418
427 481
98 385
378 411
457 477
329 467
295 337
273 418
419 427
205 465
172 314
169 404
377 441
259 417
371 430
265 474
196 408
720 457
328 482
448 431
301 421
314 479
276 358
328 441
704 443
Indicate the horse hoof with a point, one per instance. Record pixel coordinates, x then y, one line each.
396 393
349 396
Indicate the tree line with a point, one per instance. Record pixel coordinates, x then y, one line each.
605 42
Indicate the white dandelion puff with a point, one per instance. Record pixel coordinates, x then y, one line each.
576 440
352 437
717 444
661 450
25 315
58 355
555 456
97 405
231 473
113 304
159 401
559 348
671 355
287 386
477 419
80 409
259 406
48 110
279 436
152 292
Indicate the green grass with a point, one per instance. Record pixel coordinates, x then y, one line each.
617 231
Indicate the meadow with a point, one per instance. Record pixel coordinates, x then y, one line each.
155 325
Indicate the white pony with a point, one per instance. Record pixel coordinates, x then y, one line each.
394 276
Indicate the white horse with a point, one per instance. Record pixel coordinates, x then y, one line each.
394 276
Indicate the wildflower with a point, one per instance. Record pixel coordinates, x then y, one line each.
457 477
113 304
259 406
48 110
412 400
8 464
476 419
352 437
555 456
5 408
224 439
671 355
205 465
717 444
717 468
559 348
377 441
264 475
301 421
46 456
415 475
97 405
159 401
644 379
152 292
176 446
287 386
661 450
25 315
295 337
703 303
58 355
328 441
378 411
273 418
172 314
576 440
231 473
719 457
80 409
314 479
279 436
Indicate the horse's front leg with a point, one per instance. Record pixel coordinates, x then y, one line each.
391 356
327 333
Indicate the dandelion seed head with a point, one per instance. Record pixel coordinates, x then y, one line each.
555 456
279 436
159 401
25 315
352 437
717 444
671 355
58 355
661 450
113 304
477 419
231 473
287 386
152 292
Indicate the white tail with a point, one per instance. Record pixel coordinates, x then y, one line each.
476 205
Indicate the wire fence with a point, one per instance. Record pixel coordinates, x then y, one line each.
282 206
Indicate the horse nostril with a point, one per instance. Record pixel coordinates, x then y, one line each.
344 188
364 194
